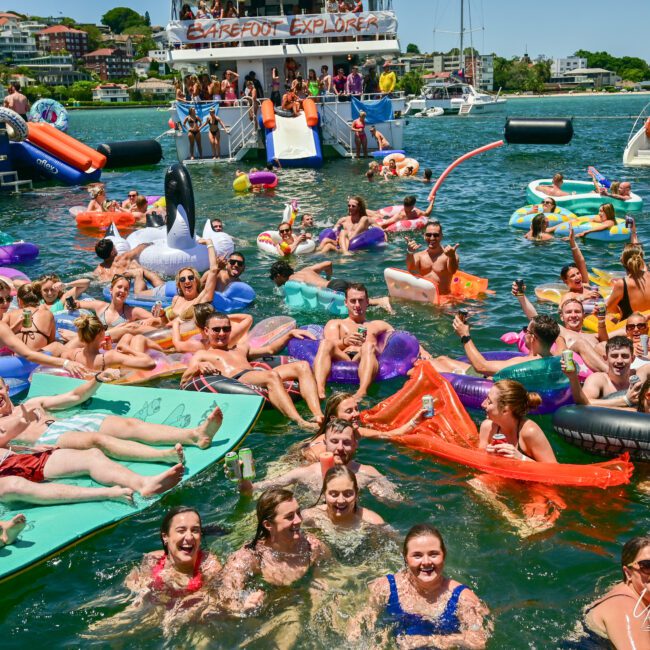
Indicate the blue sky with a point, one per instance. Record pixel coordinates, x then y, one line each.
553 27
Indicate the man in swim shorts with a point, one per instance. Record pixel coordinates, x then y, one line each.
541 333
342 441
281 272
436 263
611 389
356 222
220 357
408 212
33 423
352 338
16 101
572 315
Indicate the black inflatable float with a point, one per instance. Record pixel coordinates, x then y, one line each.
131 153
538 130
607 432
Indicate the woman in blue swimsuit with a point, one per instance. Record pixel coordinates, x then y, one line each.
425 608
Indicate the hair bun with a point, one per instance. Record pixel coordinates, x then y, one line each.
534 400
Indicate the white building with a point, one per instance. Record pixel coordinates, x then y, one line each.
110 93
567 64
158 88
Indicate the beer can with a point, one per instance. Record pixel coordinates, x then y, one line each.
27 318
629 221
499 438
644 344
429 404
232 466
108 342
157 309
634 379
247 465
463 314
569 363
362 331
70 303
601 306
520 286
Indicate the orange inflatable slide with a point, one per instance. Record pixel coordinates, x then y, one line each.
451 434
68 149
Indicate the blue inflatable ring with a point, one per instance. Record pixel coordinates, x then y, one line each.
49 111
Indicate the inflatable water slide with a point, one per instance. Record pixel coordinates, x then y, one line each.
49 154
294 141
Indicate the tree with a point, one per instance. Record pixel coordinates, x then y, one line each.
147 19
628 67
144 46
82 90
94 36
119 18
411 83
412 48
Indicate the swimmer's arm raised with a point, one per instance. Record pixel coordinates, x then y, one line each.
578 257
526 306
476 359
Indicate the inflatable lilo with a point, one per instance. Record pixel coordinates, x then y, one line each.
605 431
367 239
543 376
405 285
15 252
452 435
404 224
309 297
400 350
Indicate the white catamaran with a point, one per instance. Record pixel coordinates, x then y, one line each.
260 37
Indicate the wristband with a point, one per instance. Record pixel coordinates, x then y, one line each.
65 363
465 339
627 400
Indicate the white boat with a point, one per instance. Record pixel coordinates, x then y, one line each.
257 44
637 151
454 98
436 111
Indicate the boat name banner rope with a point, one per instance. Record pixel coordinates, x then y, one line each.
229 30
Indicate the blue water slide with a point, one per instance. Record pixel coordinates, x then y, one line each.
293 143
37 164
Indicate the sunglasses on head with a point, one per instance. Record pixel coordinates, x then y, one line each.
429 235
187 278
221 328
636 326
236 262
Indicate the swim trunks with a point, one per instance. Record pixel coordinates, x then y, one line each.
82 422
27 466
338 285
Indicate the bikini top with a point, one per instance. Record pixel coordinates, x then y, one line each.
408 624
118 321
101 355
195 583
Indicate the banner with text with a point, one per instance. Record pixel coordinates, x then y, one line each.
230 30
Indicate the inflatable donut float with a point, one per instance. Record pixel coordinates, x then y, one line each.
16 125
402 225
49 111
269 241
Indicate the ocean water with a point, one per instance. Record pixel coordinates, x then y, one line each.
535 586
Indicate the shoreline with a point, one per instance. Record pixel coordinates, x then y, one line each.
554 95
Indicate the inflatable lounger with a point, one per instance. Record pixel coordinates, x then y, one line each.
452 435
308 297
57 527
581 198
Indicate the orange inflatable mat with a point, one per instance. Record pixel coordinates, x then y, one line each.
104 219
451 434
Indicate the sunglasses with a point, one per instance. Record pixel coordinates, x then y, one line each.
5 301
221 328
352 205
636 326
133 196
187 278
236 262
284 230
643 566
430 235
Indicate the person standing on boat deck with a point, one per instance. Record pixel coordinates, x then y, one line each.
276 97
251 76
371 83
360 138
387 80
212 121
338 84
193 124
325 81
16 101
354 82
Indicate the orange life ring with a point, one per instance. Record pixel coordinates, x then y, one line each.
647 128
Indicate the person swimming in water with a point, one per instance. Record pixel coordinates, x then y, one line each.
424 607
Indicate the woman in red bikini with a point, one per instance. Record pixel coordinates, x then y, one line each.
182 568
